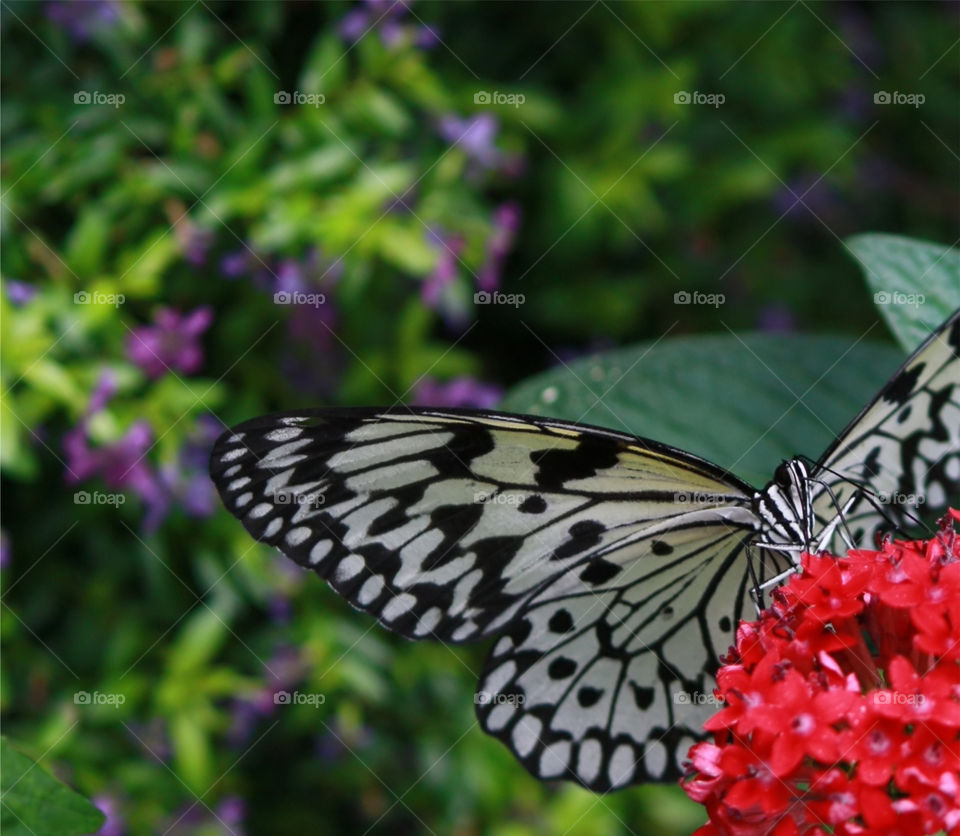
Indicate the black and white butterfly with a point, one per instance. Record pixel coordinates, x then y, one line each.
610 570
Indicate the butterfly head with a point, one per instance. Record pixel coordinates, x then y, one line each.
784 504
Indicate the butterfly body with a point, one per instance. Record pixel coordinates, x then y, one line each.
609 570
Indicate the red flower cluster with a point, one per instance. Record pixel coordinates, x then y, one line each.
842 702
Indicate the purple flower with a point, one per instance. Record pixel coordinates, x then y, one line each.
121 465
386 17
172 343
186 481
19 293
777 318
151 736
803 195
237 264
82 20
195 241
103 392
475 135
231 811
285 669
290 277
110 807
506 222
445 272
461 391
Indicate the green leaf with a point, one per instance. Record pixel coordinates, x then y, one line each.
745 402
915 284
36 803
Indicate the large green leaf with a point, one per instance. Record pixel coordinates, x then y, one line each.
915 284
744 402
34 803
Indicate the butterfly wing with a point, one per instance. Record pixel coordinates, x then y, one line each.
609 683
904 447
615 561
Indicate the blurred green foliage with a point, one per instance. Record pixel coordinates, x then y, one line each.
201 188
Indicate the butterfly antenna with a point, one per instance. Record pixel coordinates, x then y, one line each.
868 493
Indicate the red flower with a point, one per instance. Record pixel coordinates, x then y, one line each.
842 701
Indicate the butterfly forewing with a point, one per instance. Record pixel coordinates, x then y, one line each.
441 523
902 451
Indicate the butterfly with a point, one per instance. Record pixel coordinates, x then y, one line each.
609 570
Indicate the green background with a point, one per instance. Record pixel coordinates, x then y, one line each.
626 198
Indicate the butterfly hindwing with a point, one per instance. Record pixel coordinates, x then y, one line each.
608 683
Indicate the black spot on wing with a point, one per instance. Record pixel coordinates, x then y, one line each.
561 668
661 547
588 696
556 467
642 696
584 535
533 505
599 571
561 622
898 390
